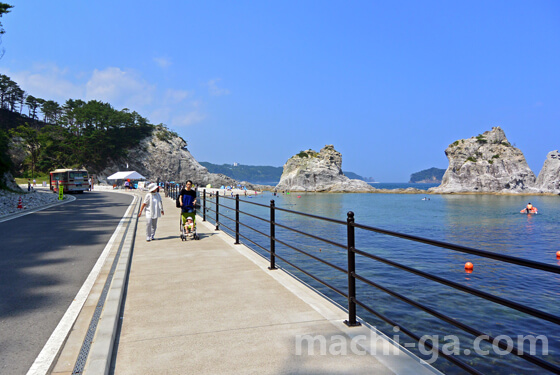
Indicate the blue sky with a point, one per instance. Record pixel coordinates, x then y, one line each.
390 84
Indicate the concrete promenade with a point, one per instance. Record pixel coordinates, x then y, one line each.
212 307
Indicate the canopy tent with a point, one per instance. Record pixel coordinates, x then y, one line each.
127 175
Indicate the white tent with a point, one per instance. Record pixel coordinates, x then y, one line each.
127 175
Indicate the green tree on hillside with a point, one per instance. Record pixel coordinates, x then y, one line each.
75 134
32 104
5 163
51 111
4 8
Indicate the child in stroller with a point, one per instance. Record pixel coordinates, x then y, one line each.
188 226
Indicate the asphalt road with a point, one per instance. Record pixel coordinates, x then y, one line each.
45 257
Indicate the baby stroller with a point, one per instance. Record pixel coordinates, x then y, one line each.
190 231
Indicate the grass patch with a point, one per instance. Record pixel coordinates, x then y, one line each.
38 178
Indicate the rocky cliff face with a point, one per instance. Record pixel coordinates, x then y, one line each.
318 172
486 163
549 176
167 158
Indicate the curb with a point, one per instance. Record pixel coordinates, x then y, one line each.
100 353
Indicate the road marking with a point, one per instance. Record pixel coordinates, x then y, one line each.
45 359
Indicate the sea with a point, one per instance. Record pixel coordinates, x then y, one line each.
487 222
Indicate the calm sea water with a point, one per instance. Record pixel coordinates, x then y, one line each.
486 222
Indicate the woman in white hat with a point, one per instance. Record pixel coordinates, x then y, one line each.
154 210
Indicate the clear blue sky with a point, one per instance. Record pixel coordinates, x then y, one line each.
390 84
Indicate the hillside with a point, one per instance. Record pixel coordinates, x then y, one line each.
38 135
259 174
432 175
354 176
249 173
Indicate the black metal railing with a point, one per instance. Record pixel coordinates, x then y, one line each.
172 190
351 294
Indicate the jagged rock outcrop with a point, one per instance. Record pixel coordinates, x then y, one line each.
8 181
486 163
318 172
167 158
549 176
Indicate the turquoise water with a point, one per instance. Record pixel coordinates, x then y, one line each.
486 222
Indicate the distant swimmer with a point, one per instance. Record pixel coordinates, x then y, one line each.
530 209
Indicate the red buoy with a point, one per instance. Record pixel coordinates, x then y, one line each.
469 266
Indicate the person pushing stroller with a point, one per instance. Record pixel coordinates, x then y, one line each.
187 200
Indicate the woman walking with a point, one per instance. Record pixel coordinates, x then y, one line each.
154 210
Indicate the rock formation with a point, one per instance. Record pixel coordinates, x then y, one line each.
549 176
318 172
486 163
167 158
8 181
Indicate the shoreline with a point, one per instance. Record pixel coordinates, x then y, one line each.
417 191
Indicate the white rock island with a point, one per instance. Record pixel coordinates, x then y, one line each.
311 171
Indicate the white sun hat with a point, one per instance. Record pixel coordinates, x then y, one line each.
152 187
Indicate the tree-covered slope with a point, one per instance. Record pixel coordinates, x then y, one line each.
427 175
258 174
249 173
38 135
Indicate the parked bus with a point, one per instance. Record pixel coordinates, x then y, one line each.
70 180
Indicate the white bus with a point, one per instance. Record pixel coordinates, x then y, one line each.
70 180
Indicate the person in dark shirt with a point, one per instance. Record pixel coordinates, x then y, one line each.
187 198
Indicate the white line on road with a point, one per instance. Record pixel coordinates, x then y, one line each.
45 359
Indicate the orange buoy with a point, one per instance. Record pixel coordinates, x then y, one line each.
558 254
469 266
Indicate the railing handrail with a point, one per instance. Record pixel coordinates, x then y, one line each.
352 251
465 249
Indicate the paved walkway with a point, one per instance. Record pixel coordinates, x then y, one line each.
211 307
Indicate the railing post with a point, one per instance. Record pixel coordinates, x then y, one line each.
218 210
204 205
237 219
272 236
351 322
